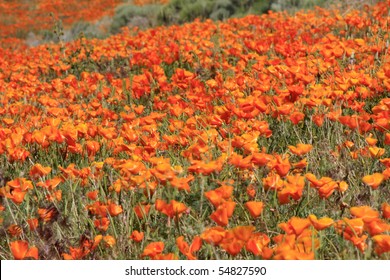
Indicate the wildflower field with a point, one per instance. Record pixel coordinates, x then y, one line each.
261 137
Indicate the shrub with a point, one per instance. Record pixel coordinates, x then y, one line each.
180 11
141 16
293 5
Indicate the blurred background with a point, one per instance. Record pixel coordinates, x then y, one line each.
41 21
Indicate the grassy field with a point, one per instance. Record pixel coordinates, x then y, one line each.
261 137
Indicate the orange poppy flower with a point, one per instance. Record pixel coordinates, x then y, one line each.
223 213
220 216
187 250
181 183
371 141
171 209
325 186
51 183
40 138
255 208
232 246
295 225
196 244
373 180
318 120
152 249
376 152
92 147
160 204
327 189
109 241
47 214
284 253
257 245
240 162
300 149
137 236
20 250
108 133
261 159
322 223
102 223
292 188
225 191
142 210
298 225
343 186
350 227
130 166
387 139
39 171
75 254
97 208
32 223
273 182
114 209
17 196
349 144
364 212
8 121
219 195
386 173
70 171
386 210
355 154
214 197
300 164
359 242
213 235
385 162
251 191
313 180
14 230
297 117
169 257
56 195
177 207
350 121
92 195
382 243
377 226
243 232
282 166
201 167
96 241
21 183
139 109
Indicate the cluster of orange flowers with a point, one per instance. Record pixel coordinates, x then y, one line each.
299 241
185 122
23 16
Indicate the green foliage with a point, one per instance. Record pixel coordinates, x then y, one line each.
294 5
141 16
180 11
